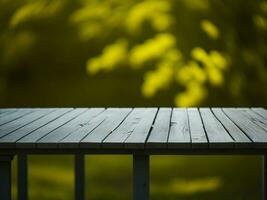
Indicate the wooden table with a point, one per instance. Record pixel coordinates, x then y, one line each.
140 132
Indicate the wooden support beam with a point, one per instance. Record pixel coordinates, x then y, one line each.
22 177
5 177
140 177
79 177
264 177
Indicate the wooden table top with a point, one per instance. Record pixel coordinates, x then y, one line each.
133 128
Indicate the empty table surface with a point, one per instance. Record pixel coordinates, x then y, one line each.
126 129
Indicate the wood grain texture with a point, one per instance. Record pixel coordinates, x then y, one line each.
74 138
7 111
30 140
197 132
113 119
139 135
13 116
22 121
179 136
241 140
257 134
133 129
119 135
218 137
9 140
51 139
159 134
254 117
260 111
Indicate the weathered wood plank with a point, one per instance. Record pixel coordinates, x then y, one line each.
73 139
260 111
3 110
114 119
119 135
133 129
7 111
197 132
29 141
139 135
218 137
51 139
254 117
159 134
179 137
9 140
253 131
13 116
20 122
241 139
117 138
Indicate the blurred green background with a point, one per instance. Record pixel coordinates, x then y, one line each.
88 53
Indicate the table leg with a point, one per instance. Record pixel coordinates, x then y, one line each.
264 177
79 177
140 177
22 177
5 177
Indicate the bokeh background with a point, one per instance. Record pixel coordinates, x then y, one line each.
102 53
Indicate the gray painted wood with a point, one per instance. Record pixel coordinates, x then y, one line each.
119 135
51 139
15 115
20 122
133 129
113 120
197 132
254 117
218 137
253 131
9 140
29 141
139 135
241 140
5 112
179 136
260 111
73 139
159 134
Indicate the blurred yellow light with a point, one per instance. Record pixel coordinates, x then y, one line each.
158 79
112 56
193 95
157 13
210 29
151 49
36 9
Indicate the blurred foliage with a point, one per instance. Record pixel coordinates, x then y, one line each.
192 44
174 52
